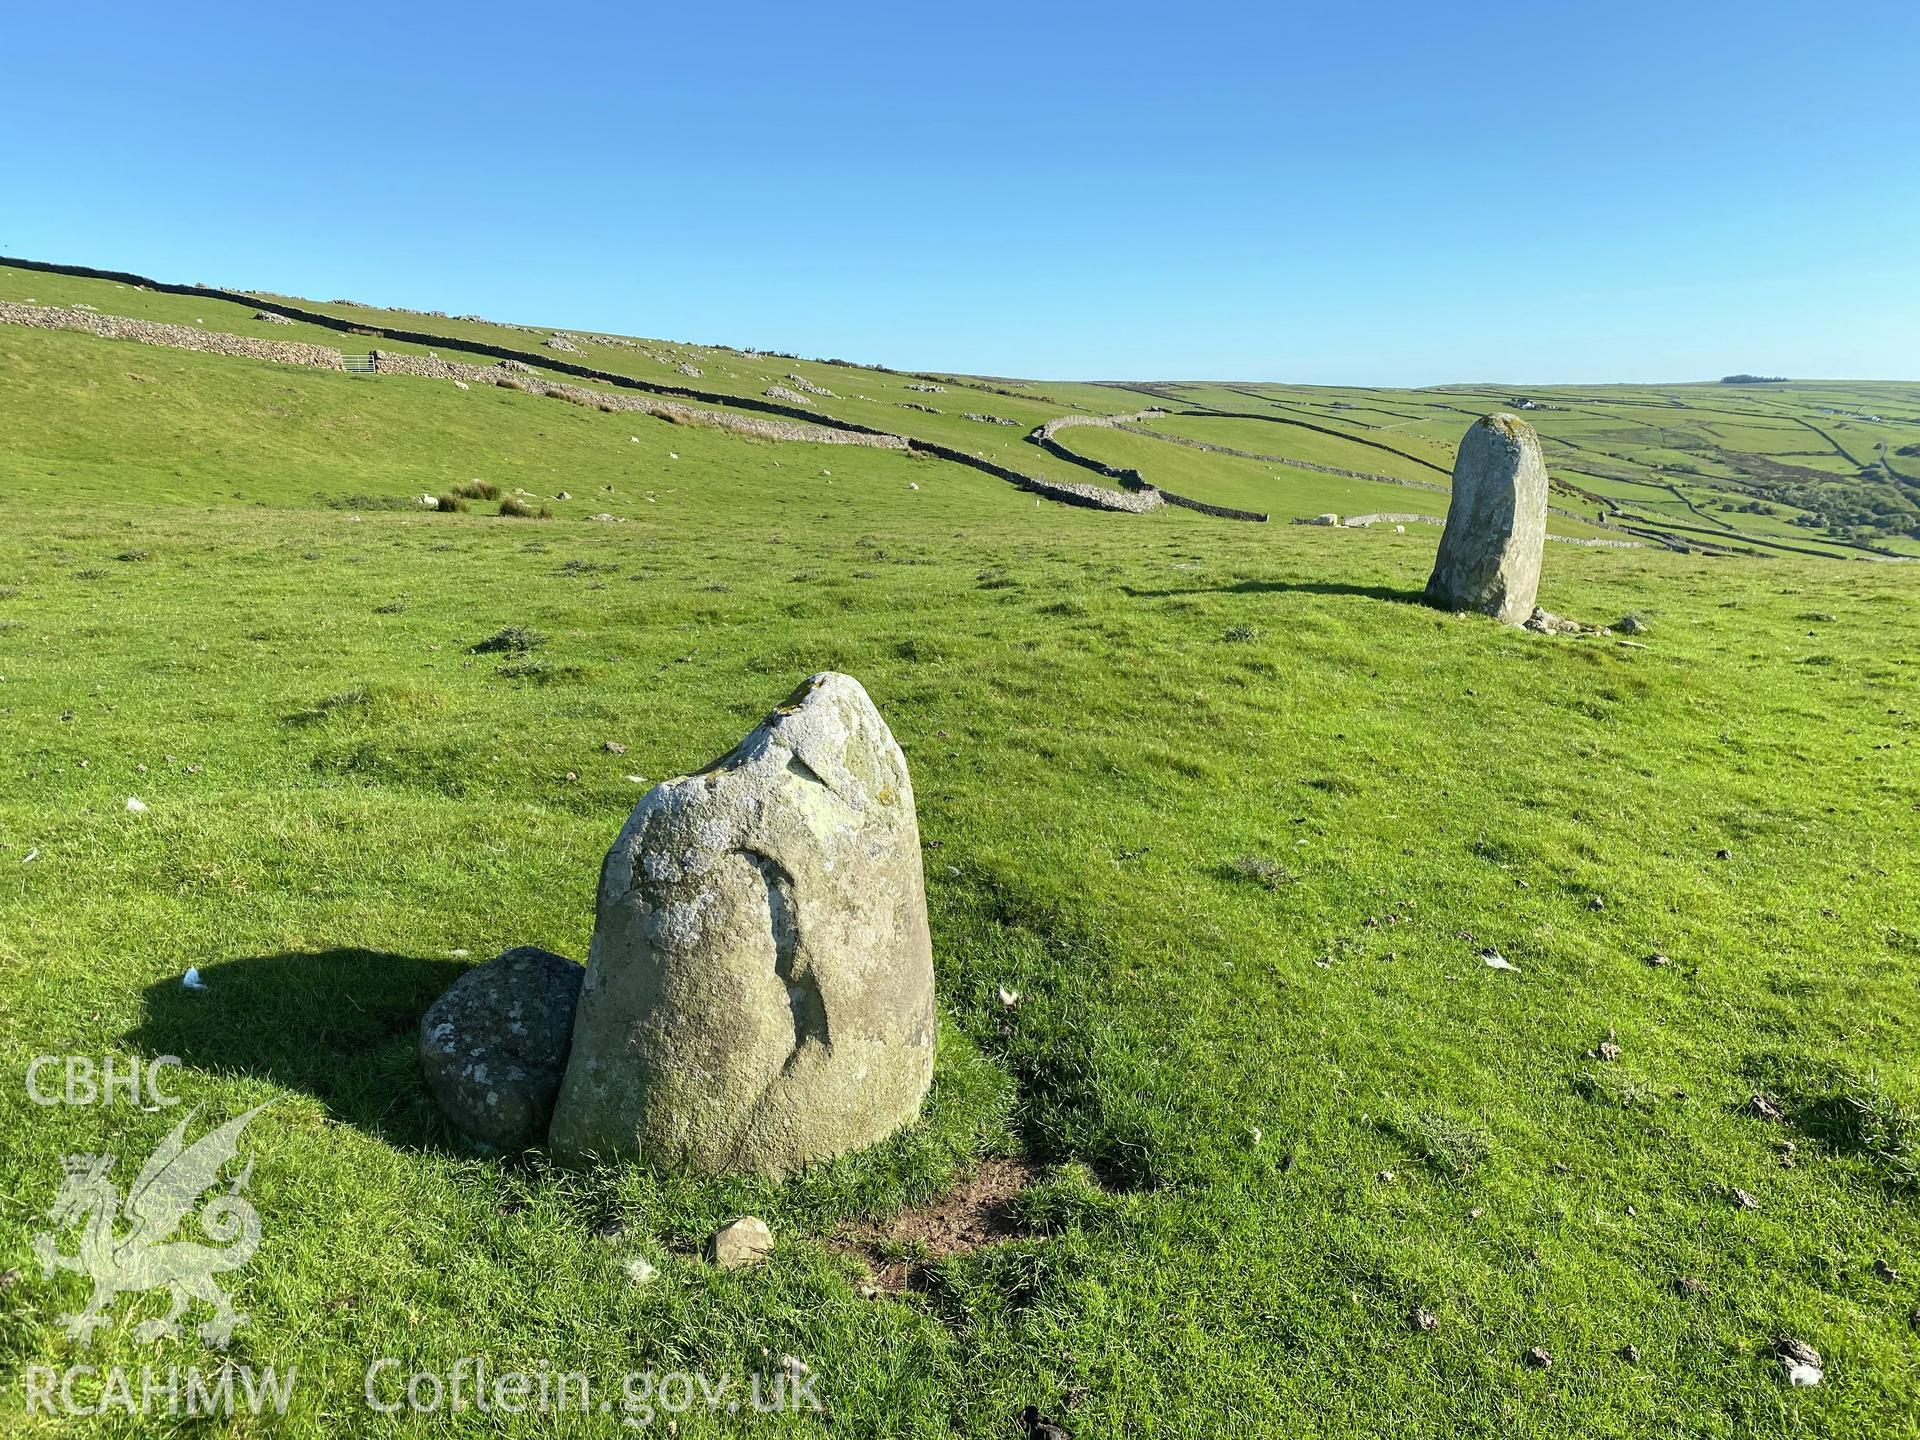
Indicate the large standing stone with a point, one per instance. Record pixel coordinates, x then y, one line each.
495 1045
1489 558
760 990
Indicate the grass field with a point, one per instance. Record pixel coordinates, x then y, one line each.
1233 813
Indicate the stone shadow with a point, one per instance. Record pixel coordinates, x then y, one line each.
1394 593
343 1025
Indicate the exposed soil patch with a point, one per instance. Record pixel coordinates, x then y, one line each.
978 1211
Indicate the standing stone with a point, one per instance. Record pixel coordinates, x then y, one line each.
760 989
495 1045
1489 558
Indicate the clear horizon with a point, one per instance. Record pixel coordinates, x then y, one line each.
1388 199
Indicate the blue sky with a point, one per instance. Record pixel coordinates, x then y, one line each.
1384 194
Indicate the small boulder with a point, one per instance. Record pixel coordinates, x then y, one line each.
740 1243
495 1045
1489 557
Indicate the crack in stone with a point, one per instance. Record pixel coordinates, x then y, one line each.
804 1000
797 766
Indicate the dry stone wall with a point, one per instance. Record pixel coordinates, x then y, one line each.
177 337
759 427
1133 480
1314 466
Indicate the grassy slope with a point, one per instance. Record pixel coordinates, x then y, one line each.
1103 714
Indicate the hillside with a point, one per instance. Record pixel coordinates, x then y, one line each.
1811 468
1230 812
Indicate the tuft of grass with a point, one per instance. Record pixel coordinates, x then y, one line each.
450 504
477 490
519 510
510 640
541 672
1334 785
1267 874
1850 1112
1451 1145
373 502
132 556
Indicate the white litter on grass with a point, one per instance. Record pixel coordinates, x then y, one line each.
31 856
136 805
1803 1363
461 953
191 980
638 779
1496 961
1009 998
673 454
639 1271
913 484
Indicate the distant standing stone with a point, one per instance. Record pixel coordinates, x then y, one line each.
760 990
1489 558
742 1242
495 1045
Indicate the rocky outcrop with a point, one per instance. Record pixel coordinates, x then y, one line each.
760 990
1489 558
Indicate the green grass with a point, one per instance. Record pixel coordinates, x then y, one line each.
1233 814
